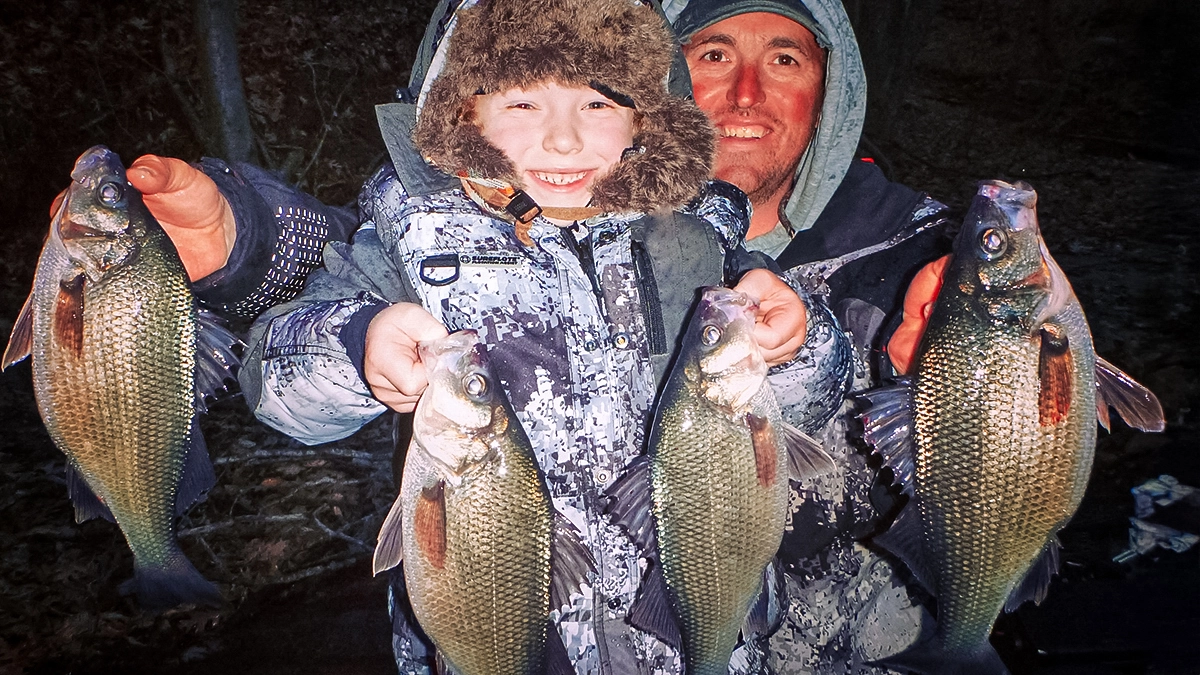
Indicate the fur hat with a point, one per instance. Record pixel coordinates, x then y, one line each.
621 48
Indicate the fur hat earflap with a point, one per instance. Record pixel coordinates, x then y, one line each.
621 48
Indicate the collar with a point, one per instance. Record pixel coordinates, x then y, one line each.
516 206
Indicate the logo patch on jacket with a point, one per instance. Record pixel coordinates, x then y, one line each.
443 269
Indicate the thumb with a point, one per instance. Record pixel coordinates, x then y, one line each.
152 174
190 208
177 194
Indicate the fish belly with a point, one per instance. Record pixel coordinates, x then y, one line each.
121 408
485 602
718 527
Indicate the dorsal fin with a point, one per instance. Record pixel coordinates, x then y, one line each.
571 563
217 361
887 427
389 550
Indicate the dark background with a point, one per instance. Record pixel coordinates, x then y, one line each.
1094 102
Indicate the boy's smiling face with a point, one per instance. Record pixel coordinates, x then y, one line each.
560 139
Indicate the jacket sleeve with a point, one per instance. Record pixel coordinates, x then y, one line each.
280 234
298 375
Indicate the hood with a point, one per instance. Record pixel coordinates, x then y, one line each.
832 149
623 48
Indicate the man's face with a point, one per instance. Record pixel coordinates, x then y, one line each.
760 78
560 139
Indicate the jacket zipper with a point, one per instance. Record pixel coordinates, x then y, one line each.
648 295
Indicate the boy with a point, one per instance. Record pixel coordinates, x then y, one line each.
557 106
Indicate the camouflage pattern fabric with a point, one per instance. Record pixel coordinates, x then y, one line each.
575 365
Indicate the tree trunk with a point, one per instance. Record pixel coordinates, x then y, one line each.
228 118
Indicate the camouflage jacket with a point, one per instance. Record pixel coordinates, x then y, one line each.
566 324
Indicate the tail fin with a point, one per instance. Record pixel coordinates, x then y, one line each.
159 587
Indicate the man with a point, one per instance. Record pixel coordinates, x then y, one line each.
783 83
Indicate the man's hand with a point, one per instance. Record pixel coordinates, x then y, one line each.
781 323
191 210
391 364
918 305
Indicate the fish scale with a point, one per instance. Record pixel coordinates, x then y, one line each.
496 577
989 498
126 414
718 527
707 504
486 558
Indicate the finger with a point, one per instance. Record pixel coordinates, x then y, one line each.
781 334
757 284
178 194
396 401
392 364
150 174
781 320
423 327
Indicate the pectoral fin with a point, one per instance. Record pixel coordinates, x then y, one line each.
429 524
20 342
1137 405
766 450
68 316
1056 374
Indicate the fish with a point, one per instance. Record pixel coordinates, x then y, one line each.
992 436
485 555
122 361
708 502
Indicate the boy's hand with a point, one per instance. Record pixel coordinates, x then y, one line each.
191 210
391 364
918 305
781 323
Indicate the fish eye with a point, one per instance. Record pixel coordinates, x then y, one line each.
111 193
475 385
710 335
993 243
